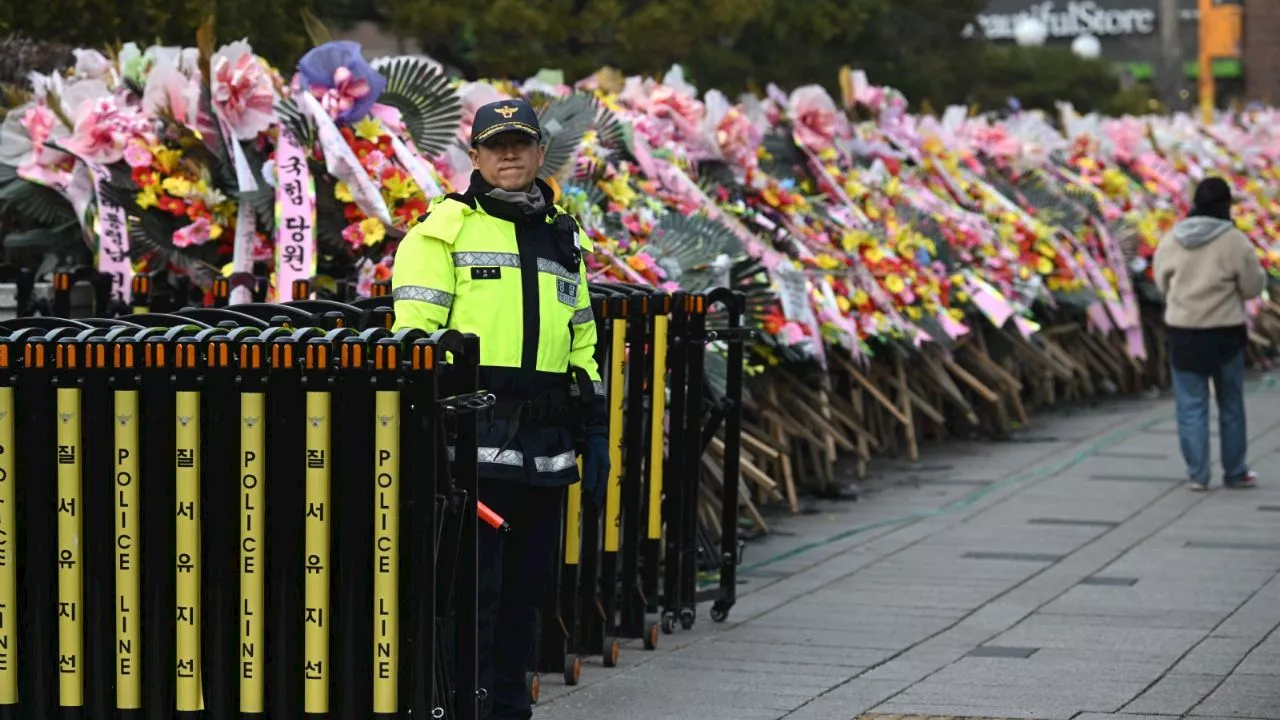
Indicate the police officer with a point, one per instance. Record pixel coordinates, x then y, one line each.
501 260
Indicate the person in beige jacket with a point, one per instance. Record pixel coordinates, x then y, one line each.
1206 269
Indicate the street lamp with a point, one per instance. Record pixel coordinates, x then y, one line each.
1030 32
1087 47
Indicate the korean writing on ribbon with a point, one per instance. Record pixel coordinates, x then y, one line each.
295 217
113 241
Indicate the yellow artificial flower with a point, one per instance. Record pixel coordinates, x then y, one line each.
895 284
176 186
843 303
368 129
147 198
956 313
826 262
342 192
1044 266
874 254
166 159
373 231
962 296
914 313
400 187
215 231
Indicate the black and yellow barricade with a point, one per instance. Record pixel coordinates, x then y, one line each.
733 336
638 520
613 372
651 545
459 483
306 545
676 467
277 563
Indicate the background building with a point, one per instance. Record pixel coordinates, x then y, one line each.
1244 56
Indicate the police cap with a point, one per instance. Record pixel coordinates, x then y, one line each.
504 116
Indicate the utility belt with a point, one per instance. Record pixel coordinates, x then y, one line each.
559 406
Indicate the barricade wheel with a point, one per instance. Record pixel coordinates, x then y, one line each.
718 613
572 669
534 684
668 622
611 652
686 619
651 637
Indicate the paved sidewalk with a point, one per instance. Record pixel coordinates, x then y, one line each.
1066 574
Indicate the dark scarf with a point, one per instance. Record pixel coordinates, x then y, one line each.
507 203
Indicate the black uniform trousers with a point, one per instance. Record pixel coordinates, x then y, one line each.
515 568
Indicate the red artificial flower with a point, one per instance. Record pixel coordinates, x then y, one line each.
172 205
144 177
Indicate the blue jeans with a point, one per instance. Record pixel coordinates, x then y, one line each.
1191 391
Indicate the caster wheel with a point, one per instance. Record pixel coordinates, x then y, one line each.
668 623
719 614
686 619
651 637
611 652
534 683
572 669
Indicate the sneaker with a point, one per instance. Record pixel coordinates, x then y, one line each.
1197 486
1249 480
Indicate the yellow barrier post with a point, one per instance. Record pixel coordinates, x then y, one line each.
386 552
316 536
128 565
253 528
70 543
190 695
8 544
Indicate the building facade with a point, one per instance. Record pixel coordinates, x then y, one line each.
1244 47
1261 30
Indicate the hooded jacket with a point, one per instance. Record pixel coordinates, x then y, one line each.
1206 269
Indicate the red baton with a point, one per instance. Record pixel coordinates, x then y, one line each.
491 518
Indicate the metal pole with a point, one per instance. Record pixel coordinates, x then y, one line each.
1170 76
1207 89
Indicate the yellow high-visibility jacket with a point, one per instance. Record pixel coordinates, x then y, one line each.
479 265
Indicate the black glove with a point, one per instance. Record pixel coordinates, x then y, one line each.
595 465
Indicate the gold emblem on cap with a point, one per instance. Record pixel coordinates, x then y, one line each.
505 111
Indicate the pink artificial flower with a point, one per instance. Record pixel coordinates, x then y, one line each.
169 88
242 90
137 155
102 131
353 235
39 122
685 108
739 139
814 117
375 162
195 233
